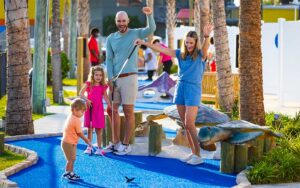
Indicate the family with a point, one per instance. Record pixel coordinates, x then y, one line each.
123 90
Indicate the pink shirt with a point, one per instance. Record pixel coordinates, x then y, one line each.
165 57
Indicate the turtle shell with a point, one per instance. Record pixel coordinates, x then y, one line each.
245 126
206 115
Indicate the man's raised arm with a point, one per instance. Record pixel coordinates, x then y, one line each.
151 26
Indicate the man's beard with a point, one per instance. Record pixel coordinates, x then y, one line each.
123 30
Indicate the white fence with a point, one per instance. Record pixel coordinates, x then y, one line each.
281 58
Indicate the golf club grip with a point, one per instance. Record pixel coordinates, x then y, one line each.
91 116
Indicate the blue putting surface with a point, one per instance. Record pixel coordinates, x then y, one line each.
110 171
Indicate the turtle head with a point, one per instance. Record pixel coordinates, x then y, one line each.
210 135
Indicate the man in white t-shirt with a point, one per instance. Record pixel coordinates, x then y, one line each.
150 62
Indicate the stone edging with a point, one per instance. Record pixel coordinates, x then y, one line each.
31 159
242 180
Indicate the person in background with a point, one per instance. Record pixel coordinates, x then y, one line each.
211 57
93 47
150 62
166 60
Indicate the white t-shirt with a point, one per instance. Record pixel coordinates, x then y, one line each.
152 64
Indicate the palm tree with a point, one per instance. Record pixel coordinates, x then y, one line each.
55 51
18 113
197 18
150 4
201 17
224 76
250 59
66 27
83 30
39 76
204 16
73 36
171 22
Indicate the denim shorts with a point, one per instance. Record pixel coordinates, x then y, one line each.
187 94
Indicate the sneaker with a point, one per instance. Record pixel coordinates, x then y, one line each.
111 147
186 159
72 176
88 150
195 160
65 174
98 151
123 149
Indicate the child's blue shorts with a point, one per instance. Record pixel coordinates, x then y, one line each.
187 94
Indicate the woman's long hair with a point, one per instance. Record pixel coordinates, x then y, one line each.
92 73
194 54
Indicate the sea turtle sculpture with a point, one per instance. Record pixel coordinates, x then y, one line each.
205 116
234 132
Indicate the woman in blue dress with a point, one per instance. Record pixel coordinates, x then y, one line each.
187 96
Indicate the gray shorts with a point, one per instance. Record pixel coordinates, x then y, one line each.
126 89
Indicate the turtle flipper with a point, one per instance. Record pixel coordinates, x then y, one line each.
243 137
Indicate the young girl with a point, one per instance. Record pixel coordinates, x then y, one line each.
188 90
95 88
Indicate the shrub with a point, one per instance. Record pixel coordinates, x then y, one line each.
65 67
174 69
281 165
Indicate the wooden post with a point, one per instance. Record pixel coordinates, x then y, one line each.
240 158
1 143
227 157
155 137
107 136
268 144
80 61
138 115
255 152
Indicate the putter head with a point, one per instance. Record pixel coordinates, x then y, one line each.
128 180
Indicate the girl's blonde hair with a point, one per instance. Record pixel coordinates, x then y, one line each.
185 53
92 73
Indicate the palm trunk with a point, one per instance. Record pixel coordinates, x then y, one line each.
83 30
204 16
201 17
73 37
66 31
250 59
18 110
197 19
150 4
225 80
39 77
171 22
55 49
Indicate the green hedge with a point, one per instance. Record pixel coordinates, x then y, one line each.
65 66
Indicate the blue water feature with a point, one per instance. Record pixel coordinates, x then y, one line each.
110 171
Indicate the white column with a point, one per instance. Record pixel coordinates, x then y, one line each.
281 60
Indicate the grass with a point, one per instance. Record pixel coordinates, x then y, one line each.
69 82
66 95
3 102
8 159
